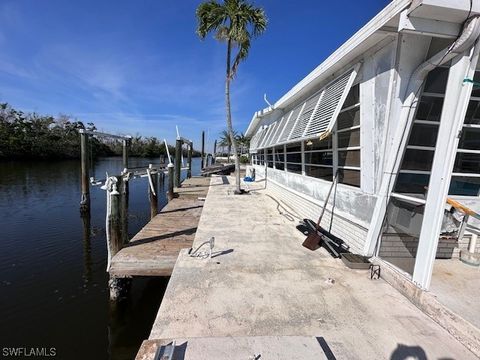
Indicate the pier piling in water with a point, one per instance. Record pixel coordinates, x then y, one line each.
189 161
178 162
153 192
203 149
214 155
85 199
170 194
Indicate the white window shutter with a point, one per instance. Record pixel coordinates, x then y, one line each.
273 129
304 118
290 123
325 115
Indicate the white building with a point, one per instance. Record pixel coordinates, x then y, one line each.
394 112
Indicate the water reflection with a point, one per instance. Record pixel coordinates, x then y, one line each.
53 284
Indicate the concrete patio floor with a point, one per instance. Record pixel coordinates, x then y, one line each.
262 282
457 286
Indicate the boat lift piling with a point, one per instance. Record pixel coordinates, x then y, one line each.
84 159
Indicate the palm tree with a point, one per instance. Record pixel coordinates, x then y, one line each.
226 140
244 143
236 22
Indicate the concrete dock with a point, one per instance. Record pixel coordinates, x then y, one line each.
263 288
154 250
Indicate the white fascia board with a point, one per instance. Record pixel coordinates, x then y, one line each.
454 11
337 59
428 27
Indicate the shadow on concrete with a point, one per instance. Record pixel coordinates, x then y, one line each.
326 349
222 252
403 352
189 231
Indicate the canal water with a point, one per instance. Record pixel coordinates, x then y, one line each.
53 283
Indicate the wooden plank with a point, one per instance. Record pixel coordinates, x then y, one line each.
153 251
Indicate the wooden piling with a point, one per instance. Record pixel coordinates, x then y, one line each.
116 240
178 162
117 231
189 161
125 153
87 247
170 193
203 149
214 152
85 199
153 194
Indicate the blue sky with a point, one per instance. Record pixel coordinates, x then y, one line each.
138 67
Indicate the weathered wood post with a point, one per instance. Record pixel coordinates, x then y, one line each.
125 153
170 193
178 162
116 233
85 199
190 153
214 152
153 192
123 190
87 248
203 149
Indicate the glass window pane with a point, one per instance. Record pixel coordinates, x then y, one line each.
412 183
353 97
423 135
418 160
467 163
473 112
279 165
316 144
294 147
462 185
476 89
436 81
321 158
296 158
429 108
295 168
324 173
401 231
349 158
348 118
349 138
279 149
349 177
270 158
470 139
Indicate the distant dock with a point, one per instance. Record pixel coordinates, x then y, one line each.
154 249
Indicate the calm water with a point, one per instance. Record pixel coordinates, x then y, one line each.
53 284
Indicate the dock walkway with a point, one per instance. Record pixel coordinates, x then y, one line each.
262 290
154 249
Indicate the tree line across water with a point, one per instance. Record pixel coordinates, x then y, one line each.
34 136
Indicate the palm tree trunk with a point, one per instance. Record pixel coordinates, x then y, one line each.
229 152
229 118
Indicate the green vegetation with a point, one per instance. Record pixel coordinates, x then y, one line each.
34 136
235 22
243 143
